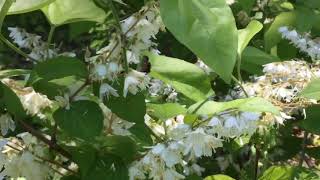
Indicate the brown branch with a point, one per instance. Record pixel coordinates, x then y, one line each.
42 138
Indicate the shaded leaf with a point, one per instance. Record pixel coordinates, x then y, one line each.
83 120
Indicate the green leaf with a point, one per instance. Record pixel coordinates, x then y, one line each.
288 172
312 123
11 101
247 5
85 157
131 108
207 28
302 19
13 72
5 5
108 167
314 152
255 104
165 111
58 68
245 35
53 77
312 91
253 59
23 6
185 77
272 37
122 146
218 177
83 120
63 12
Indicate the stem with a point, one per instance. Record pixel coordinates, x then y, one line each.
87 82
122 36
134 24
240 84
51 32
4 10
42 138
304 142
239 68
256 165
57 164
13 47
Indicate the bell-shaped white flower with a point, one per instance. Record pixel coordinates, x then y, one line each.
6 124
134 82
107 90
198 143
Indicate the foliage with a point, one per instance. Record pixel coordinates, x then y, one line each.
159 89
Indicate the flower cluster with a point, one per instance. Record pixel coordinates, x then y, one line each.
281 84
40 50
302 42
24 158
234 125
139 30
185 145
159 88
32 101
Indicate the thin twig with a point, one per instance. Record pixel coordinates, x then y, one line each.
42 138
302 154
126 33
256 165
240 84
122 36
85 84
16 49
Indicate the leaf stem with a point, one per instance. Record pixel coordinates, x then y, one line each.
4 10
85 84
239 67
13 47
51 33
42 138
122 36
240 84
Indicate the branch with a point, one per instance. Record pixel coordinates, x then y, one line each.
42 138
86 83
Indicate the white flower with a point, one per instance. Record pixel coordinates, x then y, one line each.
198 143
18 35
106 90
169 156
100 71
171 174
6 124
179 131
113 70
136 171
35 102
134 81
197 169
25 166
63 101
